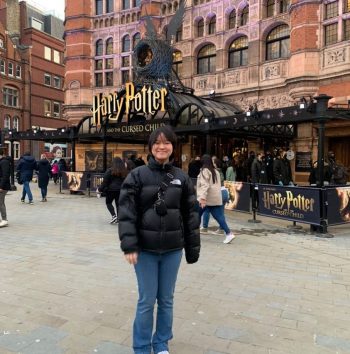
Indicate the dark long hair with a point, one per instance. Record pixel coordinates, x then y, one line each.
118 168
207 162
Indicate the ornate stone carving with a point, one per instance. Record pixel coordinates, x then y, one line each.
272 71
232 78
202 83
335 56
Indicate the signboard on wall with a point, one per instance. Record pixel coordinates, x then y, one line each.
338 211
239 196
303 162
290 203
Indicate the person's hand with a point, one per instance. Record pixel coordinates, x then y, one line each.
131 257
202 203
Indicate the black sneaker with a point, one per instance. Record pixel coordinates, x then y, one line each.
22 200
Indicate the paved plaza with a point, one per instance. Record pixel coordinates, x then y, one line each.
66 288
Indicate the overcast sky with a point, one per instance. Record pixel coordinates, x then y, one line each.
55 7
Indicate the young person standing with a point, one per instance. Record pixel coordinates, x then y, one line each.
155 225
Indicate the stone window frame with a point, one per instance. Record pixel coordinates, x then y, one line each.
241 50
229 19
211 25
177 62
10 96
278 40
207 58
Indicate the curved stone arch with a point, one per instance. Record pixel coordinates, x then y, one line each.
209 16
175 6
163 9
201 46
242 5
170 8
128 18
96 24
133 18
122 20
271 26
74 85
101 23
232 38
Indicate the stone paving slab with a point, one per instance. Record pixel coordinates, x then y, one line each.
66 288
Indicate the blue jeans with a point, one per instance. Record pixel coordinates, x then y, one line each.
206 213
26 190
218 213
156 277
43 192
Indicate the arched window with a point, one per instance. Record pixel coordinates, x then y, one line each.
15 123
7 122
177 62
232 19
99 47
163 9
178 36
212 25
109 46
270 8
200 28
238 52
277 43
283 6
109 6
135 40
245 16
126 4
206 61
126 44
99 7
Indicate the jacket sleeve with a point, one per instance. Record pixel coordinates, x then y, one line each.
277 170
128 214
105 182
203 184
190 217
5 174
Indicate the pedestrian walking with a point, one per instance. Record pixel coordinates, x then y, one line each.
5 186
112 181
25 167
158 217
43 169
209 195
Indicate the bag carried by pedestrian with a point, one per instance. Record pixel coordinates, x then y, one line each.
18 177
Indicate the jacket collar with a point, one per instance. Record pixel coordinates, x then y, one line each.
155 165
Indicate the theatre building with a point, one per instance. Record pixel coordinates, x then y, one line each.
229 56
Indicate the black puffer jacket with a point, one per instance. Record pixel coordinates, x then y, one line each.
5 174
111 183
141 228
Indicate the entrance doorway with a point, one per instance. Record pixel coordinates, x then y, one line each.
341 148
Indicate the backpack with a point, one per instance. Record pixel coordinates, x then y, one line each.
340 174
55 168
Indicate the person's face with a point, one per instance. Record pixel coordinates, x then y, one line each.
162 149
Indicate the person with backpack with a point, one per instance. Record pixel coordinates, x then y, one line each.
26 167
112 181
55 171
43 169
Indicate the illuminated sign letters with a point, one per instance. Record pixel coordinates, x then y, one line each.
147 100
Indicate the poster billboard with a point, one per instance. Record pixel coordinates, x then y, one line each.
74 181
239 194
303 161
290 203
338 211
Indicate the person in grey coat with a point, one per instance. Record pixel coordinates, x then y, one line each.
43 169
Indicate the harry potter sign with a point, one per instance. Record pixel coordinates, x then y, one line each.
147 100
290 203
